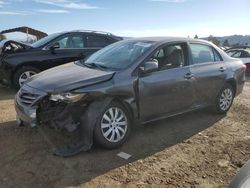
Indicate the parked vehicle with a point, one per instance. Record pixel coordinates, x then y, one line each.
19 61
137 80
243 53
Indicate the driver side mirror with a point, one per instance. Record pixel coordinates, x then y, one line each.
54 47
149 66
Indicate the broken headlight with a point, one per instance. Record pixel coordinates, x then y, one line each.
68 97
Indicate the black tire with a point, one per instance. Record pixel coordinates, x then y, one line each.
19 72
217 107
98 133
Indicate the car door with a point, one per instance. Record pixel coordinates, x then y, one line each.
209 72
71 48
168 90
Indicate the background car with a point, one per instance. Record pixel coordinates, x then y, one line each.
18 61
138 80
243 53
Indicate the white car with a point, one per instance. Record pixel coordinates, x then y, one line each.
242 54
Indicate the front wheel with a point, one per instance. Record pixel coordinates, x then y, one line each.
113 126
225 99
22 75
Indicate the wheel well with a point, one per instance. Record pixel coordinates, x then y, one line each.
127 106
233 84
29 64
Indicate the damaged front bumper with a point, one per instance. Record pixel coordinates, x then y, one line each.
74 117
26 105
34 107
25 115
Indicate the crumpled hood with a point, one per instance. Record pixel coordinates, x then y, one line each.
67 77
6 46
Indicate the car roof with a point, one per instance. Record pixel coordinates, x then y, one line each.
169 39
88 31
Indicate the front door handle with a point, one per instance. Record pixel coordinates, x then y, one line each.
189 76
222 69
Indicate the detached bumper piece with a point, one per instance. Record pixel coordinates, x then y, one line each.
66 116
88 119
59 116
71 149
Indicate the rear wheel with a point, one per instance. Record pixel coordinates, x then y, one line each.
113 126
224 99
22 75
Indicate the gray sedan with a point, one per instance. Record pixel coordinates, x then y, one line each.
137 80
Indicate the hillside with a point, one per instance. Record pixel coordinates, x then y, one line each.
234 39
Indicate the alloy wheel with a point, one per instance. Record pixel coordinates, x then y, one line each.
25 76
114 124
226 99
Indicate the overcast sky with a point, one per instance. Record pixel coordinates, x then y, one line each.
130 17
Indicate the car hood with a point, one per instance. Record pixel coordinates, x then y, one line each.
68 77
6 46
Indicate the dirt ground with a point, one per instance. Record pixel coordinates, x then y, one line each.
197 149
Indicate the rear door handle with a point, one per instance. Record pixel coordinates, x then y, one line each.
222 69
189 76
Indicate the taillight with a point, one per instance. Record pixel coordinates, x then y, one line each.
245 68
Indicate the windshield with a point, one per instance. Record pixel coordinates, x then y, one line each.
45 40
119 55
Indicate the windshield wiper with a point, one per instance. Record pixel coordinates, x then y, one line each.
102 67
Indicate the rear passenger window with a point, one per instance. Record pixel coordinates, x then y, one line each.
203 53
97 41
77 42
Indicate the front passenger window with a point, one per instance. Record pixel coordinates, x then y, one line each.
64 42
71 42
170 56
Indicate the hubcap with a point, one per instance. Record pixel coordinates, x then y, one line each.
226 99
25 76
114 124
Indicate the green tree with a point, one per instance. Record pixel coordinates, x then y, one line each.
196 37
214 40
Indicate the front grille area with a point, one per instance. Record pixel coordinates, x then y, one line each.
26 97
